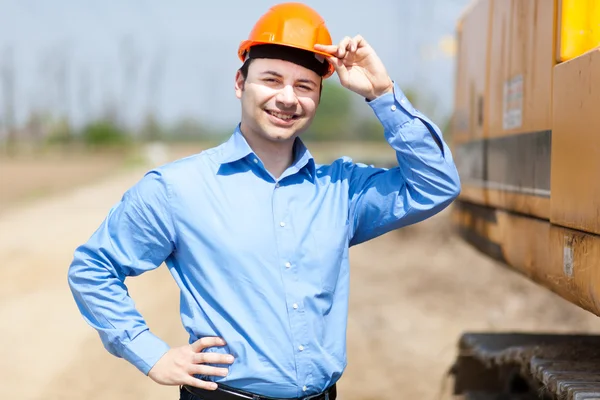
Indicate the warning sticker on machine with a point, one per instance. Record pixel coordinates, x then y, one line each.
513 103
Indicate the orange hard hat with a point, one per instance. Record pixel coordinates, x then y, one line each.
290 24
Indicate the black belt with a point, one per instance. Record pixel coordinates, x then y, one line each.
227 393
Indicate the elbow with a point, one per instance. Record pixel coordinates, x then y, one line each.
451 190
78 286
455 187
79 260
81 270
74 274
453 184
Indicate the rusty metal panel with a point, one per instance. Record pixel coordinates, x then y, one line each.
521 61
507 163
563 260
526 204
499 63
540 59
511 172
574 271
470 115
575 201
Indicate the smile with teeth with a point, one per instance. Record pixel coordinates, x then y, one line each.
285 117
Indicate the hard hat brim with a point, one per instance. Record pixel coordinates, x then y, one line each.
246 44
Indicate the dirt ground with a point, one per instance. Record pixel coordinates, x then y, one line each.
413 292
25 178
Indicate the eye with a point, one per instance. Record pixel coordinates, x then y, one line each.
305 88
270 80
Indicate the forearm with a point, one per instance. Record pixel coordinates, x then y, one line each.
424 160
103 300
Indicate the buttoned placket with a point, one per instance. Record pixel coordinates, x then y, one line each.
290 274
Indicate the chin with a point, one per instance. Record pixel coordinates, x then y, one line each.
280 135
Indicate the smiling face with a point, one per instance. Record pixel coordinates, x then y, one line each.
279 99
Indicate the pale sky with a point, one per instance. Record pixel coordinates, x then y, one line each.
194 44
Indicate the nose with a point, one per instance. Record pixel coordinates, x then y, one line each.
287 97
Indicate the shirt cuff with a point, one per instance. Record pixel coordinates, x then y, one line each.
144 351
392 109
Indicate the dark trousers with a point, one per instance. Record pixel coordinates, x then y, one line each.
185 394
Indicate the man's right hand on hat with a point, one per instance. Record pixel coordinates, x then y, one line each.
179 365
358 67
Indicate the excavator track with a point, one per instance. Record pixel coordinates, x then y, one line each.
511 366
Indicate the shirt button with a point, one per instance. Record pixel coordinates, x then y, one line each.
300 347
393 107
282 223
295 306
277 185
304 388
288 265
255 161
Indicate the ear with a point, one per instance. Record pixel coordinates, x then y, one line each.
239 84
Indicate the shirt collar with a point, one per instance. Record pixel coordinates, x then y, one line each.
303 158
237 148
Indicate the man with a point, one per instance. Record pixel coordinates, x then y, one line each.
256 233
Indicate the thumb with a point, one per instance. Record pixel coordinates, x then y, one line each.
209 341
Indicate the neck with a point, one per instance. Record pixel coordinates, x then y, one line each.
276 156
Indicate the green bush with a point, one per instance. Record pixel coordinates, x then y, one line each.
105 134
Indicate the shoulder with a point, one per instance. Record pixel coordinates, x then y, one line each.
162 180
187 167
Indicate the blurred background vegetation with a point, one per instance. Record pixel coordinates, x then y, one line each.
341 116
49 152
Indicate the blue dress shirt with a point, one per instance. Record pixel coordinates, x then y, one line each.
261 262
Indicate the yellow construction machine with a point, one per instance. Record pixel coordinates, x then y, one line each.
526 140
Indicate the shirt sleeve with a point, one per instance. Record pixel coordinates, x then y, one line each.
136 236
424 182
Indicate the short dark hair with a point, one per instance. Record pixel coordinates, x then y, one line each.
244 67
